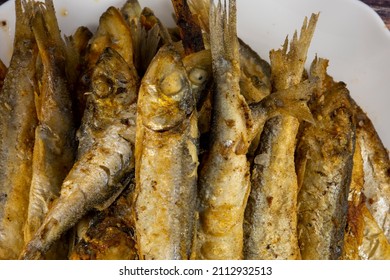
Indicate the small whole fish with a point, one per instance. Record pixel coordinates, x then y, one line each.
271 214
105 153
55 139
167 157
324 163
18 121
224 174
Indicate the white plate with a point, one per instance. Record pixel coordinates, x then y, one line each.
349 33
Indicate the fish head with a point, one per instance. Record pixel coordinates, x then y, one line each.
113 80
199 70
165 96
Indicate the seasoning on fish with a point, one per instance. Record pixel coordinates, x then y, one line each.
108 234
376 165
271 215
55 140
17 125
324 161
166 157
105 153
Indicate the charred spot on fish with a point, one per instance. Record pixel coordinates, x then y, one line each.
120 90
322 174
126 122
153 184
241 147
371 201
3 197
230 123
269 200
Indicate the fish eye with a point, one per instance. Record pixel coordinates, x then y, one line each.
198 76
102 87
172 84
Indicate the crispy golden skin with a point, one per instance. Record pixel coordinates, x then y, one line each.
108 234
324 164
376 165
17 125
55 139
167 156
271 215
104 156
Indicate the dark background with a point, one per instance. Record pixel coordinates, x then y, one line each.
382 7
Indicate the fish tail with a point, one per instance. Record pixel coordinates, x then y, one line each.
46 30
223 29
24 11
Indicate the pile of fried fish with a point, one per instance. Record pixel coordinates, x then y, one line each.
139 141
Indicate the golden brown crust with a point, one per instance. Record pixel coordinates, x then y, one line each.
17 124
108 234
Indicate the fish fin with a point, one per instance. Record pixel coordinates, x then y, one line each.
47 32
148 19
24 12
293 100
223 32
200 11
149 41
288 63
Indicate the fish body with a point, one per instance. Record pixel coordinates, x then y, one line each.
18 121
55 141
105 153
271 215
224 176
324 161
376 166
364 239
166 159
